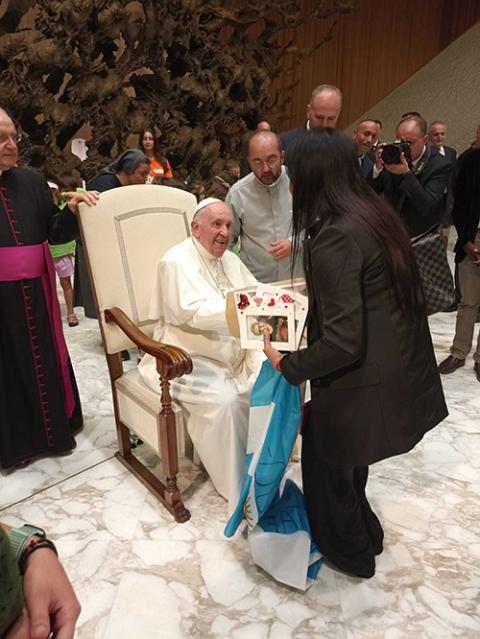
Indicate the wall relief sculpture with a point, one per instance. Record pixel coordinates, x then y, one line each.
199 71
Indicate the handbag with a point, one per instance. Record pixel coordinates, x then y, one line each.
434 270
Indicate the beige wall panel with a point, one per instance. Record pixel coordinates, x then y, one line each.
447 88
373 50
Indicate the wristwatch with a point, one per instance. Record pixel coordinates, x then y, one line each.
19 536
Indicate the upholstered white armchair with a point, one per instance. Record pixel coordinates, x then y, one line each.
124 237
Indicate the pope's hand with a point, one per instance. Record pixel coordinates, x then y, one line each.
273 355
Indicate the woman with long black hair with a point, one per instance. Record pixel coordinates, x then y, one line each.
375 386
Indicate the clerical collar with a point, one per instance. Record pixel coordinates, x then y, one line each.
214 268
204 253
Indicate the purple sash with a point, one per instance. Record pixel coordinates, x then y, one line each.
29 262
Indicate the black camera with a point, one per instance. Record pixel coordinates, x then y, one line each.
391 152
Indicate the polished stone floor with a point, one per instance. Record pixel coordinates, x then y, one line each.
139 575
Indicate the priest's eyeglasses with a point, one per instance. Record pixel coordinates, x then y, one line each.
16 138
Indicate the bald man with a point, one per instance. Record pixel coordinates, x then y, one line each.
414 189
261 203
190 295
323 110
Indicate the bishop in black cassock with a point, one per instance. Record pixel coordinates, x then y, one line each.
39 402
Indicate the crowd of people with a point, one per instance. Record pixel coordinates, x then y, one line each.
343 212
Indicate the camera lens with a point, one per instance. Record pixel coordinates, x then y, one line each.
391 154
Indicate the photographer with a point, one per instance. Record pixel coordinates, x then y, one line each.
412 175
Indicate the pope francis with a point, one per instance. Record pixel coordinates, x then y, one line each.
189 296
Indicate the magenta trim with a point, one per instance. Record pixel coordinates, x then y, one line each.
28 262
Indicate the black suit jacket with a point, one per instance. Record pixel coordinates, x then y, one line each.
376 389
417 197
367 163
466 207
287 137
450 154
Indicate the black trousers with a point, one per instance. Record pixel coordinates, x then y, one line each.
343 525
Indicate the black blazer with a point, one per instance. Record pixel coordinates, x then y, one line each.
367 163
287 137
450 154
418 197
376 389
466 207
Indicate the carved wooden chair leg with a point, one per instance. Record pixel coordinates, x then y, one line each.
168 435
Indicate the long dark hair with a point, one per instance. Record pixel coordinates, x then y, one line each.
327 181
156 146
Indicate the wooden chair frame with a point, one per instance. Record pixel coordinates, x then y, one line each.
171 362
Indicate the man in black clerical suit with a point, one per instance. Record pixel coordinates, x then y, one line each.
323 111
414 189
39 403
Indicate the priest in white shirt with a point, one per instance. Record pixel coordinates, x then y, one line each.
189 296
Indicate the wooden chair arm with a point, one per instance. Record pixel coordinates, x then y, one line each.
172 360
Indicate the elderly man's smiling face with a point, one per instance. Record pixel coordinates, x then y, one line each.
8 144
211 227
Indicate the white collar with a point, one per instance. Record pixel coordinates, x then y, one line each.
204 253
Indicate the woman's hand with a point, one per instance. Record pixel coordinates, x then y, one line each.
273 355
89 197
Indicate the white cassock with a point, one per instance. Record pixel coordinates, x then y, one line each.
189 300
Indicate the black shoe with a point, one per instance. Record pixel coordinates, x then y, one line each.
125 356
476 368
450 365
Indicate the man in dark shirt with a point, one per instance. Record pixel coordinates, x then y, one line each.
323 111
466 217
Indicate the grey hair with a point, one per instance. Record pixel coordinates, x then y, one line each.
432 124
326 88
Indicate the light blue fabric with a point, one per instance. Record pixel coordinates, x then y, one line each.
273 511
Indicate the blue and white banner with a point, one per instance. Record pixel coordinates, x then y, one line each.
278 530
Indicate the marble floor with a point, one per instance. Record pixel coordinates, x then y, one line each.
139 575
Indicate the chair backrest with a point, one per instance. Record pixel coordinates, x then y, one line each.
125 235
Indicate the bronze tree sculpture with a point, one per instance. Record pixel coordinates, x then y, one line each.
201 72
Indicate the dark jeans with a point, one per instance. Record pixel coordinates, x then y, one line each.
343 525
